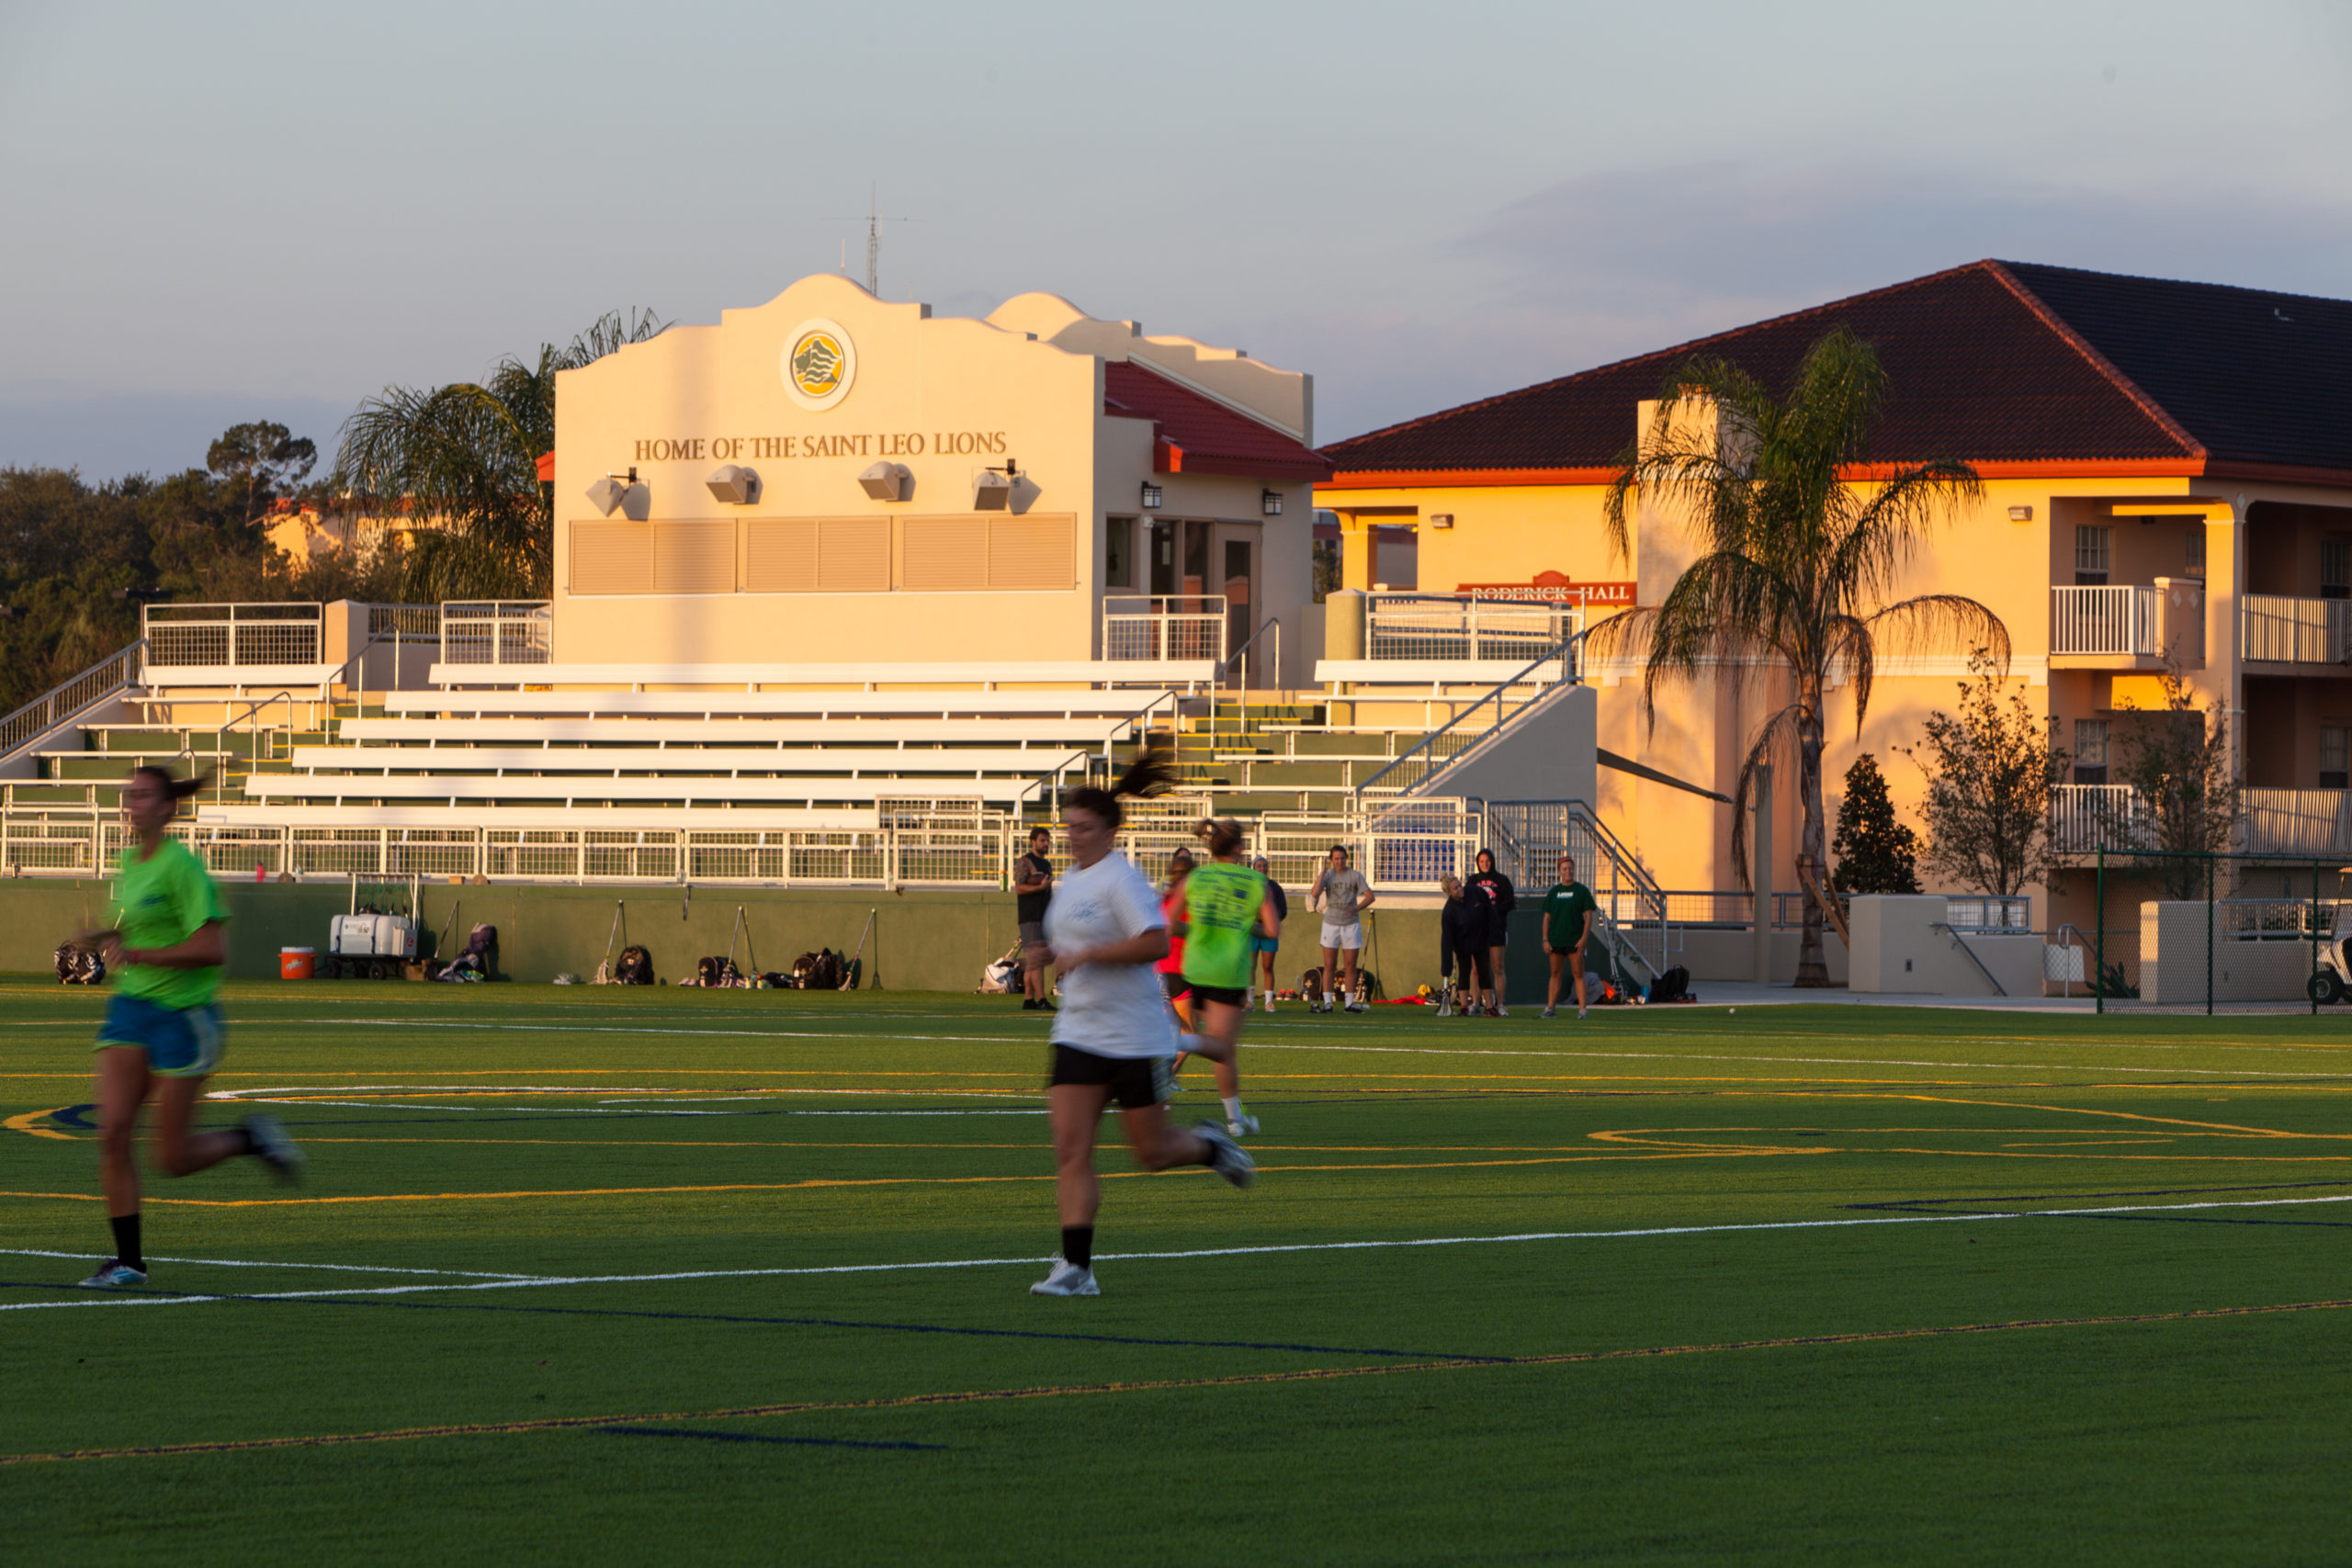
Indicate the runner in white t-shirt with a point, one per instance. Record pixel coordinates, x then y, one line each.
1113 1039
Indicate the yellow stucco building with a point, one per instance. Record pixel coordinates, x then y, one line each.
2167 476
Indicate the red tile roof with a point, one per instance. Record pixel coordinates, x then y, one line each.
2014 367
1195 435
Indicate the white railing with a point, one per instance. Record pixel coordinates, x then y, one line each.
495 632
231 635
1142 627
2124 621
2295 631
1466 728
1406 849
60 703
1447 627
2085 817
1638 917
2297 821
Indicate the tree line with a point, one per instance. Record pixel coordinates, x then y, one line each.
77 560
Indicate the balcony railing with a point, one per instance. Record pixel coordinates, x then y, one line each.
495 632
2296 631
2125 621
2297 821
2084 818
1446 626
223 636
1185 625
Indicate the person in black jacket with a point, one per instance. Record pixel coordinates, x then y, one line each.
1465 942
1500 894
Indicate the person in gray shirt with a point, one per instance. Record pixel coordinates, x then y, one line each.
1344 895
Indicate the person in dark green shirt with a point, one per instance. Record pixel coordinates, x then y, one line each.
1569 911
162 1034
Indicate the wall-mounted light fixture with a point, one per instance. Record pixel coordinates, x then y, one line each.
887 481
1270 501
992 488
1151 496
741 486
2020 513
623 494
1440 519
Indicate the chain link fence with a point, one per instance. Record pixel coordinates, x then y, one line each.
2179 930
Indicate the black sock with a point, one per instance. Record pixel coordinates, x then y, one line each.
1078 1246
252 1145
126 1241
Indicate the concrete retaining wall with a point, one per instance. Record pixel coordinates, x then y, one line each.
1897 951
2173 961
923 940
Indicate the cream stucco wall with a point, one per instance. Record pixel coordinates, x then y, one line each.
946 398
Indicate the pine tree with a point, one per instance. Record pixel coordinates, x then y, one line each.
1875 853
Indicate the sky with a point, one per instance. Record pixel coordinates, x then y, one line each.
239 211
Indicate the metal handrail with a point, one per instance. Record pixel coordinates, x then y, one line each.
1557 651
253 751
1970 953
28 725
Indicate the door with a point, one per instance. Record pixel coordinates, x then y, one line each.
1237 564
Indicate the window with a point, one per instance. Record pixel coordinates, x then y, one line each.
2092 554
2195 556
1119 552
2090 748
2335 757
2336 567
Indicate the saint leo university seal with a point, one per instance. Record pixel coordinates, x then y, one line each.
820 363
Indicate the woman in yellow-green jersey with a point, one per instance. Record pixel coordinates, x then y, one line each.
1222 906
162 1034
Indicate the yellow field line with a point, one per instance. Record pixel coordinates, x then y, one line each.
1239 1380
894 1180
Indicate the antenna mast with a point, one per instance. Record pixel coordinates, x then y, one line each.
874 221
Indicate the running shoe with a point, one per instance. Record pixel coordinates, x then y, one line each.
274 1148
1227 1158
1066 1280
1501 1011
1551 1012
1580 1012
115 1276
1356 1005
1243 1126
1494 1012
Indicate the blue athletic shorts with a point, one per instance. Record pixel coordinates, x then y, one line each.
180 1042
1260 943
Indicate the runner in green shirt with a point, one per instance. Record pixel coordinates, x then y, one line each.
1569 910
162 1033
1221 905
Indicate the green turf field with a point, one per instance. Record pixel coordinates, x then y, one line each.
664 1276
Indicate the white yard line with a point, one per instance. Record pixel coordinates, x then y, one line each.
538 1281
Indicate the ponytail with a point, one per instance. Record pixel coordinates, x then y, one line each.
1147 775
178 789
1221 834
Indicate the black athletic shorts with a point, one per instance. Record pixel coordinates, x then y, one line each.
1175 984
1231 995
1136 1081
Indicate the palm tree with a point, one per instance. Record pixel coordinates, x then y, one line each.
466 456
1802 541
